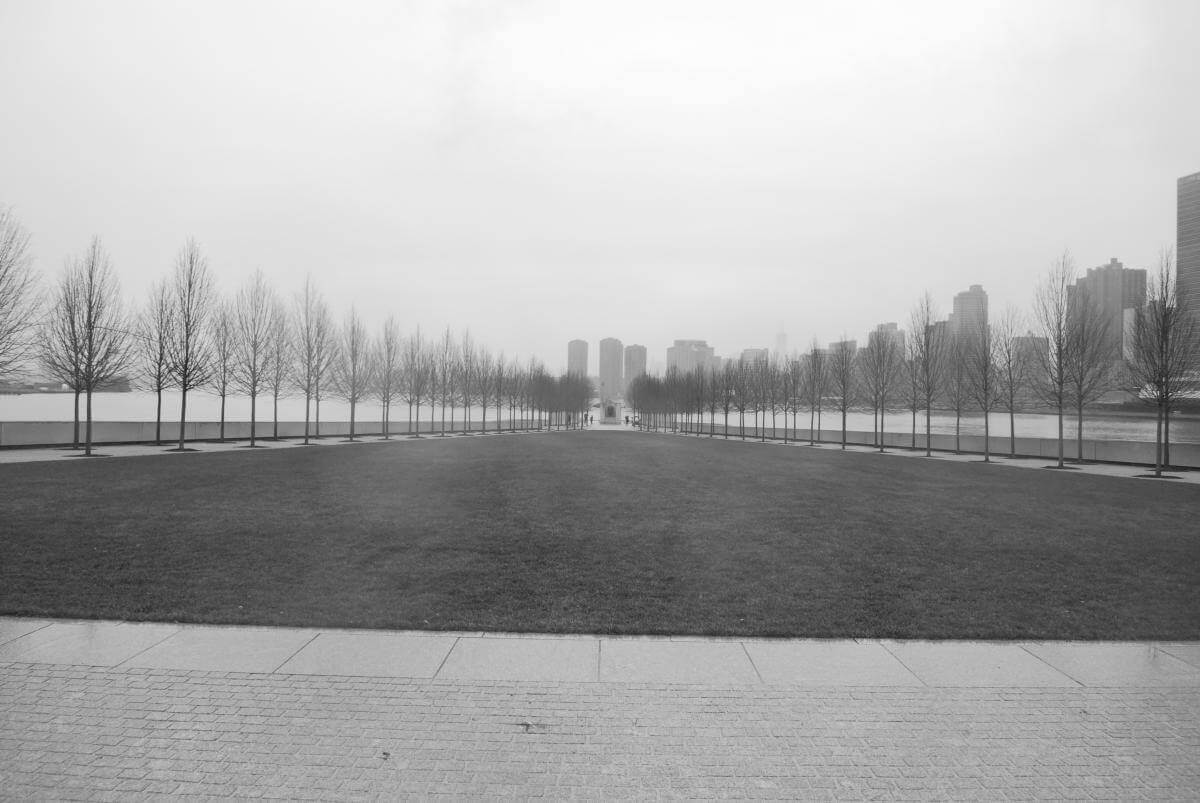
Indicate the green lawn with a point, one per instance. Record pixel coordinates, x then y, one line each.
609 533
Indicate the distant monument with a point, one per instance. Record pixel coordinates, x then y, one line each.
610 412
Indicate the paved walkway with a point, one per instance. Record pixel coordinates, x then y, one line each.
41 454
1183 476
117 710
139 450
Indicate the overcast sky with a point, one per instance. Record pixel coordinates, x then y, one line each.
642 170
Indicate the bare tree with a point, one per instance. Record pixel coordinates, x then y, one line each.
62 341
155 325
843 378
313 349
956 385
224 355
1164 358
352 369
928 341
387 370
467 376
1012 369
485 367
983 369
446 366
254 322
1090 365
1051 308
816 381
191 350
106 345
416 379
881 365
280 358
912 384
19 302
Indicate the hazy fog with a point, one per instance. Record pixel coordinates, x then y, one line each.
544 171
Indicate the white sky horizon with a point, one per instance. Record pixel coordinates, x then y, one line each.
539 172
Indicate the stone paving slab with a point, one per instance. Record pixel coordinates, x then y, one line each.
957 663
666 661
86 643
1117 664
562 659
393 655
15 628
1186 652
828 663
225 649
136 733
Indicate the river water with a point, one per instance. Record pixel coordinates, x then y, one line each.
206 407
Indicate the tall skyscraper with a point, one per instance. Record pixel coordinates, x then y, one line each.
635 362
1113 288
970 313
612 356
886 332
751 356
1187 242
688 355
577 358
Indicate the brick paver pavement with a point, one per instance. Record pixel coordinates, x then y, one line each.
76 732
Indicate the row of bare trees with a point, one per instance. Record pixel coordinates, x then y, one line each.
1066 363
187 337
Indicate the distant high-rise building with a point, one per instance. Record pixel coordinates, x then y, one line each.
837 347
635 362
781 344
886 332
751 356
688 355
612 355
970 313
577 358
1187 242
1113 288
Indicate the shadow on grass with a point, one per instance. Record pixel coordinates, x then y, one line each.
184 449
1157 476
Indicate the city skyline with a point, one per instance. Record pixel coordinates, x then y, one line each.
708 172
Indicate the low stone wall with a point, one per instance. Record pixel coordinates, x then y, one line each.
60 433
1183 455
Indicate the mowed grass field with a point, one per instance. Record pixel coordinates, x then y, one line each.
602 533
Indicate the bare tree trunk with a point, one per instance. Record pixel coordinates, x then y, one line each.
1079 433
987 437
222 418
1167 436
182 417
882 432
1060 436
353 405
1012 433
88 443
928 447
253 415
307 411
1158 441
75 443
158 419
275 416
